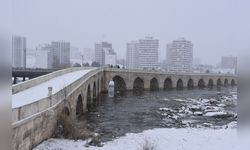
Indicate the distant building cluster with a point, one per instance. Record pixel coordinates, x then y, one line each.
140 54
53 56
228 64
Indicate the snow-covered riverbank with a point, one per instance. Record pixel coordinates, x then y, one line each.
160 139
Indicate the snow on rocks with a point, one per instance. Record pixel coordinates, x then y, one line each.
219 114
167 109
180 100
231 125
198 113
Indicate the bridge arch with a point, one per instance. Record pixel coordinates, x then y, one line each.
98 86
102 84
226 82
190 83
79 105
119 82
65 111
154 84
210 83
138 84
179 84
89 101
219 83
201 83
168 84
94 93
233 82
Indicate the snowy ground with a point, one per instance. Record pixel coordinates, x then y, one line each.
159 139
40 91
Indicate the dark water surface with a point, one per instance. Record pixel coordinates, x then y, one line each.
132 112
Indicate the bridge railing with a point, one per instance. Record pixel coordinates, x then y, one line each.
34 69
29 111
35 81
165 72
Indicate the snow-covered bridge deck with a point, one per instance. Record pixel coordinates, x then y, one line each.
40 91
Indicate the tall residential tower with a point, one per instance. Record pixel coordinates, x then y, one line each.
104 54
180 56
148 53
18 51
132 55
59 55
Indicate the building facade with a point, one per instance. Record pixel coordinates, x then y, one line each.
132 55
180 56
42 56
59 54
89 54
148 53
100 49
110 57
19 51
228 62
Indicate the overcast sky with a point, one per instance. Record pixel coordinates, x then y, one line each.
216 27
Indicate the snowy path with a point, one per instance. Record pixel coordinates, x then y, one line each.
160 139
40 91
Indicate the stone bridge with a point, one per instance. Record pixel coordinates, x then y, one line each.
134 80
34 122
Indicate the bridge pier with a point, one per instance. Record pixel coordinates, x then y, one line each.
15 80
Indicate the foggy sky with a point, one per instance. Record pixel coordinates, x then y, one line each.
215 27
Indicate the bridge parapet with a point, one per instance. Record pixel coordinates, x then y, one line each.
165 72
35 81
126 79
23 112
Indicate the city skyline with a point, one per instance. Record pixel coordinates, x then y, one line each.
212 35
161 55
76 54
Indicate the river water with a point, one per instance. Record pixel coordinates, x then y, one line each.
131 112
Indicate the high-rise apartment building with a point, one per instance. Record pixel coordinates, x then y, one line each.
110 57
42 56
89 54
228 62
180 55
100 49
59 55
148 53
18 51
132 55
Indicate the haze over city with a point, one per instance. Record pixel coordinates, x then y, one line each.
210 25
125 74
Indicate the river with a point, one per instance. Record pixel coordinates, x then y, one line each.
131 112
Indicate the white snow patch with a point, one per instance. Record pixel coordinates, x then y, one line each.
40 91
218 114
161 139
198 113
167 109
165 99
180 100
